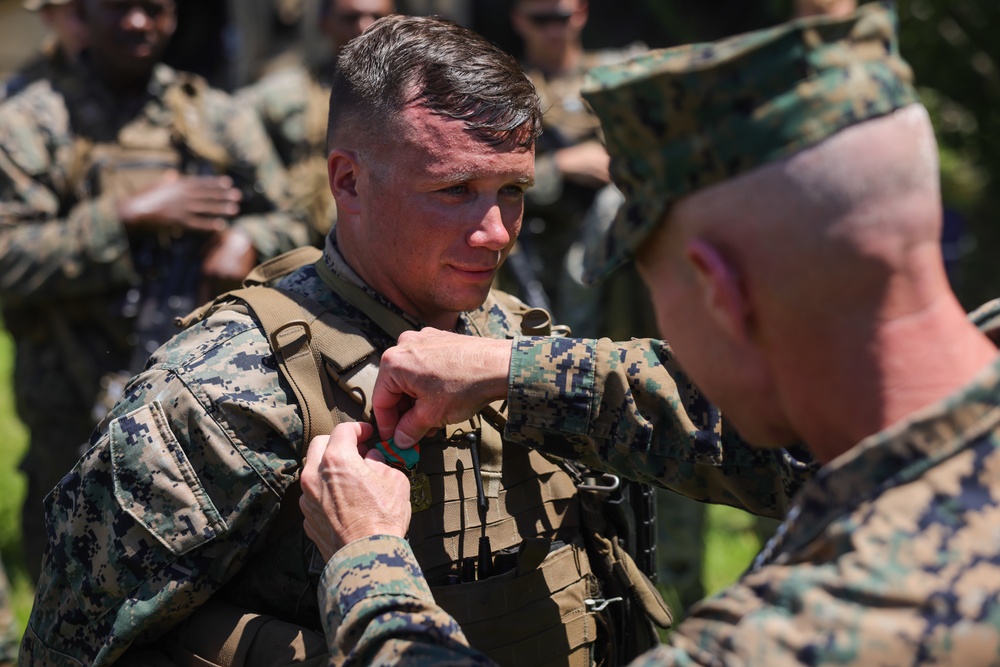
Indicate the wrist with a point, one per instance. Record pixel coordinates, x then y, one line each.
497 370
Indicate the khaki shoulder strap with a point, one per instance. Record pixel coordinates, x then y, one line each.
312 345
388 321
280 266
309 343
287 325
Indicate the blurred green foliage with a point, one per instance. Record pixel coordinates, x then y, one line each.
13 442
956 59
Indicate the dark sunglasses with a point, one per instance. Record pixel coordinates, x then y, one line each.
549 18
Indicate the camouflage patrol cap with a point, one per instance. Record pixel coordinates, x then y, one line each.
35 5
680 119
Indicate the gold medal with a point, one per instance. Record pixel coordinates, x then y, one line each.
420 491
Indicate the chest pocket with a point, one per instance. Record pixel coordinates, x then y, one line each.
169 512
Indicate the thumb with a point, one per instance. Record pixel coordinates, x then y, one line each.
412 426
346 439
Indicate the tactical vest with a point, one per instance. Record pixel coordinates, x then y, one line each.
141 153
547 603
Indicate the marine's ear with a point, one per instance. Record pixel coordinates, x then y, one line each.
343 168
722 288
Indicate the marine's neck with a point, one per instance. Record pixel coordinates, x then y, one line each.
859 382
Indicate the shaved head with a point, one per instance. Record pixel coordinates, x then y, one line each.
760 281
839 216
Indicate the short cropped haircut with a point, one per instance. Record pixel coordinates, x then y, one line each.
448 69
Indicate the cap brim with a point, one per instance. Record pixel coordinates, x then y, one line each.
639 215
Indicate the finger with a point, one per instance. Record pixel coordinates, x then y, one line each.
412 426
314 452
213 207
386 403
170 176
347 439
374 455
212 182
310 465
197 223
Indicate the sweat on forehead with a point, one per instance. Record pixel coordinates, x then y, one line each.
680 119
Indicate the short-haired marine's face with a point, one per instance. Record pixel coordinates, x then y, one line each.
438 211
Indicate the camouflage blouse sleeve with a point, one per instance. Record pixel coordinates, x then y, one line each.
378 610
48 250
628 408
271 224
183 480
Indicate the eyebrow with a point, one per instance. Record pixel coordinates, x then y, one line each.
467 176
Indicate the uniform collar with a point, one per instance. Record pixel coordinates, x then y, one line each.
96 106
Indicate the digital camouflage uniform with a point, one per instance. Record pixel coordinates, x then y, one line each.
8 631
562 221
180 499
293 103
888 555
873 565
626 408
70 279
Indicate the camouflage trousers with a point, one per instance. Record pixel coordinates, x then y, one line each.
8 633
55 444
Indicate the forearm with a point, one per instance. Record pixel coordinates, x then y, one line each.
377 609
44 258
628 408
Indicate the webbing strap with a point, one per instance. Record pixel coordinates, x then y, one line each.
388 321
287 326
234 651
282 265
394 325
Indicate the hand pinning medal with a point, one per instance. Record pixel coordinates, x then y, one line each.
406 460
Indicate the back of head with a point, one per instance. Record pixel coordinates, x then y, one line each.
448 69
681 120
846 218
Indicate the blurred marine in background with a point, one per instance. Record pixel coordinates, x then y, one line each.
293 102
129 192
68 37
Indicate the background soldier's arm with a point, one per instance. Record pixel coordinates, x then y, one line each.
257 171
50 246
